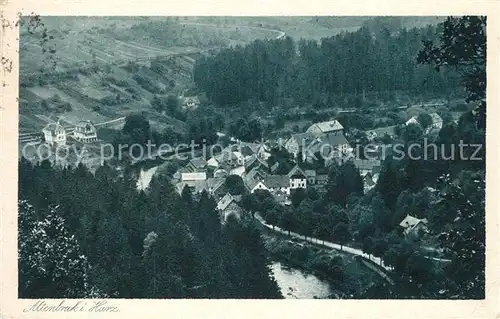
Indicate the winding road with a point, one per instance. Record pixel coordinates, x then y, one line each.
370 259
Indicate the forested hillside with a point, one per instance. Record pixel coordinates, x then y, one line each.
368 60
95 236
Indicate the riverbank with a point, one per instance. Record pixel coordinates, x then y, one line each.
347 277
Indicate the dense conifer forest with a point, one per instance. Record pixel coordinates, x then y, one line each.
99 237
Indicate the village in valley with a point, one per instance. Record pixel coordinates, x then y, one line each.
251 162
239 157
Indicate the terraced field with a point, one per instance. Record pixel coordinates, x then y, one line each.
108 67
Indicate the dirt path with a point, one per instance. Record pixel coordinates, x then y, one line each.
280 35
347 249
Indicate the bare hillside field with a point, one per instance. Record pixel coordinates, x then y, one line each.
104 68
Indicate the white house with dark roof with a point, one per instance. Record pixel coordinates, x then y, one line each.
257 185
54 134
413 226
85 132
228 205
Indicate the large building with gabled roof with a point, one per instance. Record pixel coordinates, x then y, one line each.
330 127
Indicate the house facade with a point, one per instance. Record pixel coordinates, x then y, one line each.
413 226
298 180
54 134
228 206
260 185
85 132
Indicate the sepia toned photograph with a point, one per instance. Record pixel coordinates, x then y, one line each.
259 157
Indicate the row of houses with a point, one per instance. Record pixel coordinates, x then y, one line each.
56 134
250 162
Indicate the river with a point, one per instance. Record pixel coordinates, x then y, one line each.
297 284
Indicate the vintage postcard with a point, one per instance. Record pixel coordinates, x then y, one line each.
159 161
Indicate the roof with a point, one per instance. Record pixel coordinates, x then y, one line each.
275 167
85 126
253 177
410 222
296 169
180 171
333 141
238 154
251 183
413 120
200 176
215 183
327 127
225 201
369 181
198 162
253 159
276 181
248 148
310 173
53 127
220 173
255 173
240 171
213 162
255 183
435 118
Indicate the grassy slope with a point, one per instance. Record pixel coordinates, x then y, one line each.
79 41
